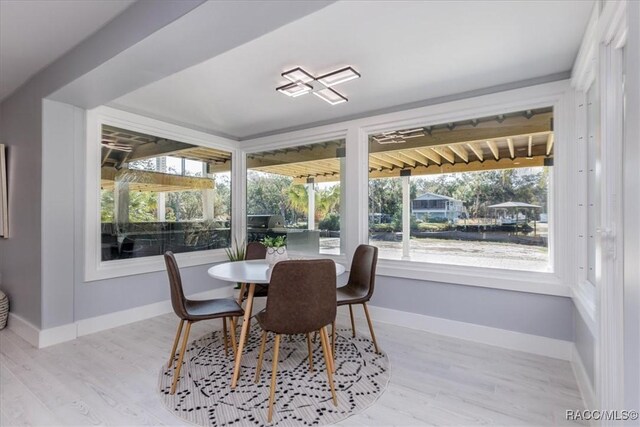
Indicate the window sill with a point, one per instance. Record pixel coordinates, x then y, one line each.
134 266
512 280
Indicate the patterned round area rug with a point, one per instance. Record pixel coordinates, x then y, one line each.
204 395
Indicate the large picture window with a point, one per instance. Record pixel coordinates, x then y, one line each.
158 195
296 192
472 192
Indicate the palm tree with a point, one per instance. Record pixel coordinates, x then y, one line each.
298 198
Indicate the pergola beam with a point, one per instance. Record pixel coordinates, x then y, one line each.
494 149
415 156
446 153
398 155
476 150
549 143
512 151
460 152
488 164
380 163
511 127
431 155
142 180
391 160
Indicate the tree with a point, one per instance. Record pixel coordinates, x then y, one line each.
143 206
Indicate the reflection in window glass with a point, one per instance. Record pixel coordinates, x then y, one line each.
295 192
159 195
472 192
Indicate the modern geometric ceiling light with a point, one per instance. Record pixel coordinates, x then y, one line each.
295 89
298 75
339 76
301 79
330 95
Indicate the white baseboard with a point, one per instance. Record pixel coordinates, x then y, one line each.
544 346
52 336
468 331
46 337
23 329
584 383
120 318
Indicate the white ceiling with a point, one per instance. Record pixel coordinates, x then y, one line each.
35 33
406 52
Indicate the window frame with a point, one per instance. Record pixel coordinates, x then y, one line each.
95 268
522 280
281 143
558 94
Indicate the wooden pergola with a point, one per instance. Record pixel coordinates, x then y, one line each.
141 180
515 140
121 147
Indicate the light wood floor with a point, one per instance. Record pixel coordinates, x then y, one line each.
110 378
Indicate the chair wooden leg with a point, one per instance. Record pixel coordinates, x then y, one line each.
310 348
327 358
274 373
263 343
176 374
333 339
373 335
175 344
225 337
353 322
246 337
332 364
234 345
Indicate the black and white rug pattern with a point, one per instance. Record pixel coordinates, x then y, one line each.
204 396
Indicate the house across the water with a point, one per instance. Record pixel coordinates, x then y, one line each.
431 206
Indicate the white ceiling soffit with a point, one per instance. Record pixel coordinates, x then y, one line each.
35 33
406 52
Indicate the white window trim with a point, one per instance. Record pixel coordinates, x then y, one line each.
556 94
95 268
600 306
284 142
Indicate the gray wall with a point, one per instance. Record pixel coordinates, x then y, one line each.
108 296
66 296
586 346
20 129
536 314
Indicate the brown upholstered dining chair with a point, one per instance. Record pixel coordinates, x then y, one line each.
191 311
302 299
359 288
255 250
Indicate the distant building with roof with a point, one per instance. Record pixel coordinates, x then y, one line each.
435 206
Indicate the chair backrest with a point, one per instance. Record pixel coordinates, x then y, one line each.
363 269
302 296
255 250
175 283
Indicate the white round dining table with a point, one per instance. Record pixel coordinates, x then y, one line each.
249 273
252 271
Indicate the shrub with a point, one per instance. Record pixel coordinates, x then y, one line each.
429 226
330 222
383 227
